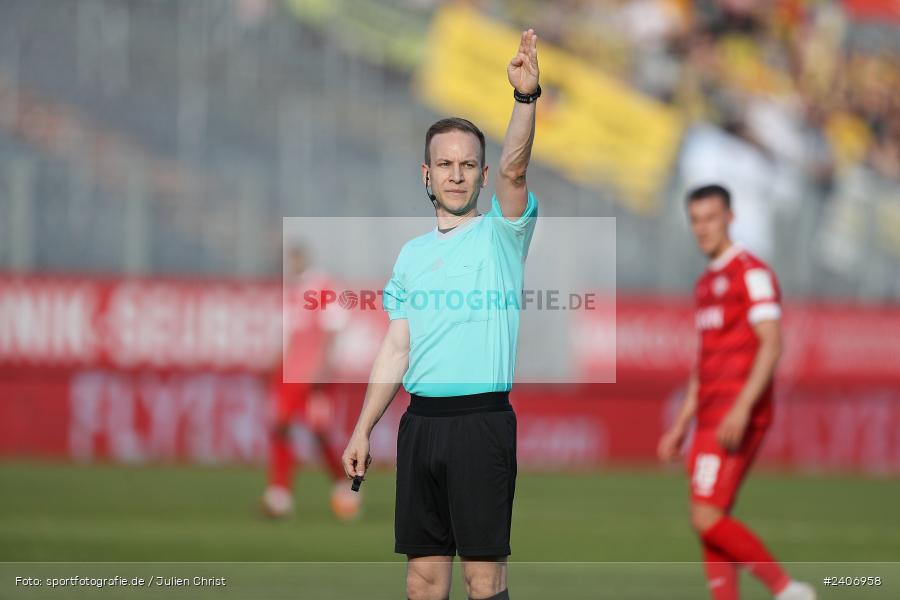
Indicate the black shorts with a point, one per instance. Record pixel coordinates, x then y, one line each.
456 476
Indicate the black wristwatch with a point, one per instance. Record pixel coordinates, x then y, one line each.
527 98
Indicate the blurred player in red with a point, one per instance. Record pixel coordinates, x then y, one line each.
297 390
738 306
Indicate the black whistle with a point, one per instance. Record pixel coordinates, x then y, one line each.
357 481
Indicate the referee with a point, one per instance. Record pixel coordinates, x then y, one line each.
453 304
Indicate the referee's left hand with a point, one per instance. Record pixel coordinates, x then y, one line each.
523 68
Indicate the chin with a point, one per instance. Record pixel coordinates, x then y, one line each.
712 249
457 206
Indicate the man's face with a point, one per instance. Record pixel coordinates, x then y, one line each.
709 222
456 174
296 263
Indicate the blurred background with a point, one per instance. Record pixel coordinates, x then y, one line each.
171 137
150 150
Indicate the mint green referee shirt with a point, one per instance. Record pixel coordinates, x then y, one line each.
461 291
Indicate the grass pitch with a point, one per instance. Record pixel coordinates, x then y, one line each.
605 534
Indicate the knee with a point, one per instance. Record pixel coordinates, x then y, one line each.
704 516
424 586
483 584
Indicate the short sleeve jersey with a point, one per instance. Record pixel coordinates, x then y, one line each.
735 292
460 292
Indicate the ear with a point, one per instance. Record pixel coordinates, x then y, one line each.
484 176
425 174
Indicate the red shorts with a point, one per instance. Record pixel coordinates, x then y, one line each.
299 401
290 400
715 473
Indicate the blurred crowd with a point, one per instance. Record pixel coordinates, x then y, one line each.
788 101
805 81
808 82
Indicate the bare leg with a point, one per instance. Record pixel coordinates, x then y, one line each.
485 577
428 577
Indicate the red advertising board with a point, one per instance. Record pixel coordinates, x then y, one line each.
169 370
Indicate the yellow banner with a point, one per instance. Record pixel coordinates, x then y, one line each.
595 129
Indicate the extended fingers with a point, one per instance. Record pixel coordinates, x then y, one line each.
524 43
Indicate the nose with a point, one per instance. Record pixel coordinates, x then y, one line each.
456 176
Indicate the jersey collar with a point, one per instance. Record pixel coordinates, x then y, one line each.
722 261
457 229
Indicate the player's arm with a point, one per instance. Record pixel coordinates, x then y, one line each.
512 193
670 442
390 364
731 431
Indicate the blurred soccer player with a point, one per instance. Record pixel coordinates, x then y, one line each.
297 390
456 444
738 305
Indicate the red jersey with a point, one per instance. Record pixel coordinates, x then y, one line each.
307 325
735 292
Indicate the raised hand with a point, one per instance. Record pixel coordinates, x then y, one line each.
523 68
